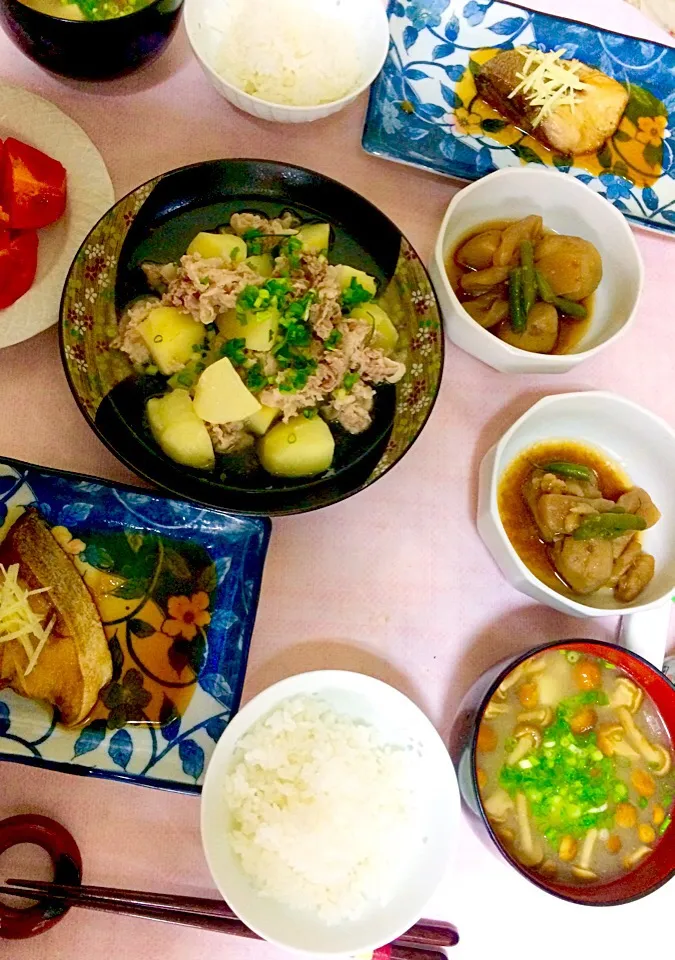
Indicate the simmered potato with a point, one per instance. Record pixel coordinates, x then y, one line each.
315 237
541 332
572 266
170 336
261 421
221 396
223 245
178 430
262 263
258 331
346 274
299 448
385 335
478 251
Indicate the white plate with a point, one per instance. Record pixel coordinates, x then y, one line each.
39 123
399 721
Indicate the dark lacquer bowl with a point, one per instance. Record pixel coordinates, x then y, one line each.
651 872
91 50
156 222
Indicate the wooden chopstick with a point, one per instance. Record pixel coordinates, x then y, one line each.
211 914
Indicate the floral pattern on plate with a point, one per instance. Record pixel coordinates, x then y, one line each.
424 109
177 588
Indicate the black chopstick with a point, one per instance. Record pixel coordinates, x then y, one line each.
205 913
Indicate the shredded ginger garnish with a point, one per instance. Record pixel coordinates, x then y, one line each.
18 620
551 84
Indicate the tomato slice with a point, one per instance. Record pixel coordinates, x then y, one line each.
18 264
32 186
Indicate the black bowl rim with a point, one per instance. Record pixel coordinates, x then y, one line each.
509 667
89 24
338 498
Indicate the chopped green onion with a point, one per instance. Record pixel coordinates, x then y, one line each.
664 826
643 802
573 656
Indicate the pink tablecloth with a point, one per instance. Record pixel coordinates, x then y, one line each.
394 582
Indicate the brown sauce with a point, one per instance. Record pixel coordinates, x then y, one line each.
571 330
516 516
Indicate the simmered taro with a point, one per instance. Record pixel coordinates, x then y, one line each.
576 521
529 287
574 767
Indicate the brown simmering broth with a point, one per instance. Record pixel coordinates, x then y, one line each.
580 807
571 331
516 515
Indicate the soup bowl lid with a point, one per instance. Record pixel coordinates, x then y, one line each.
656 868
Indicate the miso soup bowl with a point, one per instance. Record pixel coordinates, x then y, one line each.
651 872
569 207
643 446
91 50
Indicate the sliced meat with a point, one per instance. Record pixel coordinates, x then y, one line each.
638 502
635 579
586 565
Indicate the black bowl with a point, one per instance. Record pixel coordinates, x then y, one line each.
156 222
91 50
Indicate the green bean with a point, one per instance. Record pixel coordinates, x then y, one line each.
575 471
518 315
607 526
544 288
529 279
571 308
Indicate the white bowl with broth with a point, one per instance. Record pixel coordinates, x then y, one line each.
642 446
567 207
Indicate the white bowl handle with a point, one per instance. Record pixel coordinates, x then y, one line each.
647 633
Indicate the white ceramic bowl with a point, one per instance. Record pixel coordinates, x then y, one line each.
642 444
567 207
399 721
371 28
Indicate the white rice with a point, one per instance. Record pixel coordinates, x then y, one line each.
322 812
296 52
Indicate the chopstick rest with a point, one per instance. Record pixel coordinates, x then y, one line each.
65 856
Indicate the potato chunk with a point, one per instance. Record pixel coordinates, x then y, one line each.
170 335
385 335
346 274
260 422
221 395
262 263
257 329
315 237
223 246
178 430
299 448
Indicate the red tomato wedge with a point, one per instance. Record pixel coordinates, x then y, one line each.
32 186
18 264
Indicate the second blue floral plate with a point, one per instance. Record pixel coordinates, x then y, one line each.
424 109
177 589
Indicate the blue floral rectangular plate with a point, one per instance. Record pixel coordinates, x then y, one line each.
424 109
177 588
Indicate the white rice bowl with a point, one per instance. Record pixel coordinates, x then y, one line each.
328 813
